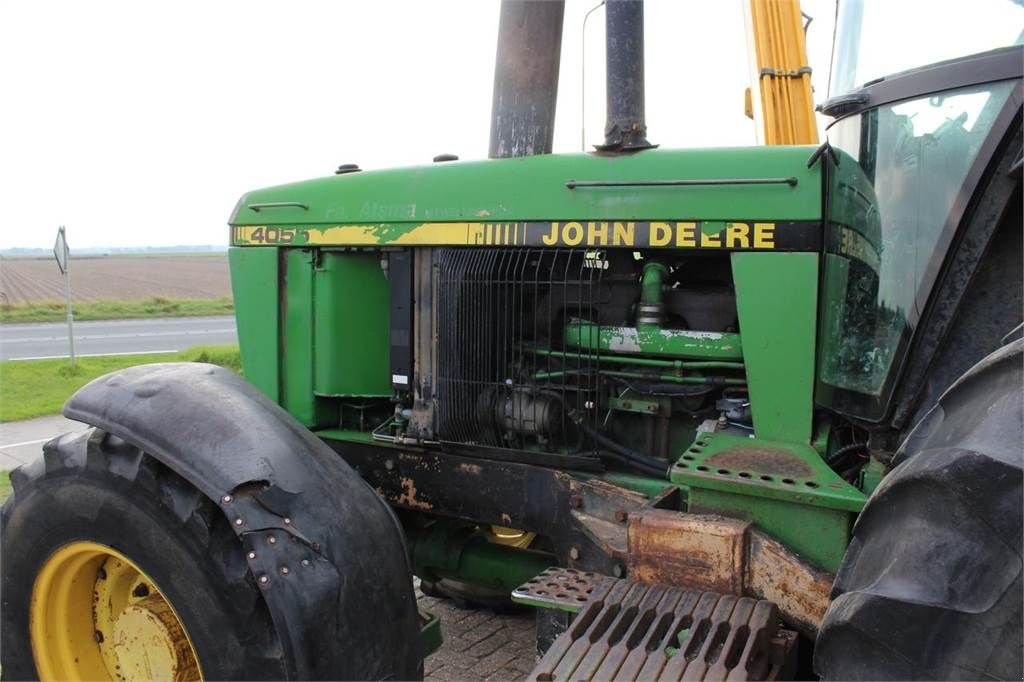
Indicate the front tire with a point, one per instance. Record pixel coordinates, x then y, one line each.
930 587
97 520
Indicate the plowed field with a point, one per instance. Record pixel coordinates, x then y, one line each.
24 280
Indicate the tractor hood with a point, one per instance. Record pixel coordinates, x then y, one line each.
387 206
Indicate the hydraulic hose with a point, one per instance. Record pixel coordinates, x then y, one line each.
839 455
656 466
636 466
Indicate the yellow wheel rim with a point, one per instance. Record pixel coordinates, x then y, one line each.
95 615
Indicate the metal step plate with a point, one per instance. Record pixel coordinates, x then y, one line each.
636 631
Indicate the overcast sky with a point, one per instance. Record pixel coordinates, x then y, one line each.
141 123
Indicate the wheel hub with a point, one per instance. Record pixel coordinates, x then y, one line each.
96 615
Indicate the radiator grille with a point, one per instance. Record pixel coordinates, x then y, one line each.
504 378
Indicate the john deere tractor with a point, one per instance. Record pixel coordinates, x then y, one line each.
746 413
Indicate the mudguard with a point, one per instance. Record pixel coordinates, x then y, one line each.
327 553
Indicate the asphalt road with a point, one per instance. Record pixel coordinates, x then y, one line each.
114 337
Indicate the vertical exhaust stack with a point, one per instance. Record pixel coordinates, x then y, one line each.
625 130
526 77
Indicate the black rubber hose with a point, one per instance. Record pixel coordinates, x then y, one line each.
632 455
636 466
838 456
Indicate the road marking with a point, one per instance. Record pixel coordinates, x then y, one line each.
27 442
96 355
137 335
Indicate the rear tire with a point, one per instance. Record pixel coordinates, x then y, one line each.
93 487
930 587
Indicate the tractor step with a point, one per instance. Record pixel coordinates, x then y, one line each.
627 630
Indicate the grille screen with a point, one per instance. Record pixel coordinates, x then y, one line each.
504 376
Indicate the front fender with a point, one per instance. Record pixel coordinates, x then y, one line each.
336 577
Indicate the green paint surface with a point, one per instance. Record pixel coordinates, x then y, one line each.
767 469
650 340
297 368
787 489
776 298
818 535
533 188
351 326
254 284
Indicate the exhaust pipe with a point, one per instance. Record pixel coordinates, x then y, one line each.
625 129
526 77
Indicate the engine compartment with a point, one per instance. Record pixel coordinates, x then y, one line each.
608 355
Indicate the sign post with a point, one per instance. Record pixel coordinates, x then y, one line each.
63 256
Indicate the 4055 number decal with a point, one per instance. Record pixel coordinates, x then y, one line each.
262 234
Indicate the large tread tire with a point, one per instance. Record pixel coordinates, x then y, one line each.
930 587
94 486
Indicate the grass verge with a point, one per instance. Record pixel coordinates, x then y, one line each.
53 311
33 388
5 485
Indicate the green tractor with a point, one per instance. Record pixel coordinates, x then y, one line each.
746 413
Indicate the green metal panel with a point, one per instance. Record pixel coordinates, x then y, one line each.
351 306
776 299
785 488
297 394
766 469
254 286
534 188
818 535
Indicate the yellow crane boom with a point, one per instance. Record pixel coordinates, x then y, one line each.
784 111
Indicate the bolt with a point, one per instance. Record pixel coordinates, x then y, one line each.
252 555
287 521
389 464
264 580
305 562
226 499
617 570
574 553
589 405
272 540
284 570
98 636
620 515
576 501
238 521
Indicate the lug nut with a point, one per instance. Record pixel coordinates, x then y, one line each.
264 580
284 570
574 553
305 562
226 499
238 521
251 555
272 540
287 521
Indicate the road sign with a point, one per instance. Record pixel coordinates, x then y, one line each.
61 251
63 255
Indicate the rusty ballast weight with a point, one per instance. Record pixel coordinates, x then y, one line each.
636 631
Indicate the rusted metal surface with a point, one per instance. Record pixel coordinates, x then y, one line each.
687 549
566 589
800 590
761 460
636 631
707 552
